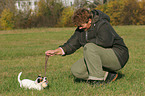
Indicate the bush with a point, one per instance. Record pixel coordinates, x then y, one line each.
43 14
124 12
22 19
114 10
65 19
7 20
46 15
142 12
130 13
43 8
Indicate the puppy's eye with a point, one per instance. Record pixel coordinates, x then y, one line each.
45 78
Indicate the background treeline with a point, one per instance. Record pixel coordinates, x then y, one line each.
50 13
125 12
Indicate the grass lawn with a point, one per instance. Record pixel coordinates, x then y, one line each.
23 50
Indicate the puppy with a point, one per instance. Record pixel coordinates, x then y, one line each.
37 84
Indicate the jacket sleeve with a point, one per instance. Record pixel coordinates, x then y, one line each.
71 45
104 35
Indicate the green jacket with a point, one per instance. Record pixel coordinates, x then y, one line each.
100 33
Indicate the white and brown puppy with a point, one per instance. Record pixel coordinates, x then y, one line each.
38 84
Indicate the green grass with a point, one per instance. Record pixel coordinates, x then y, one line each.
23 50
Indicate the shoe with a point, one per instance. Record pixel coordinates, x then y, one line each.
112 76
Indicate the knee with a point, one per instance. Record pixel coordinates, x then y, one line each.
88 47
91 48
77 73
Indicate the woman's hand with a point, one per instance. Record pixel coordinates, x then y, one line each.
54 52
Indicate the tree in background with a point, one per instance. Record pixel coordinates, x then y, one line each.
56 8
22 18
65 19
142 12
48 13
133 13
52 13
6 20
7 4
45 15
114 10
124 12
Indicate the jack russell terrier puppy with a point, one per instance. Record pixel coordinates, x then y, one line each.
39 84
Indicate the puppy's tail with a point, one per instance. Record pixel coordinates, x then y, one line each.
19 77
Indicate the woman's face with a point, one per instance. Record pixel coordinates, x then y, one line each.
85 26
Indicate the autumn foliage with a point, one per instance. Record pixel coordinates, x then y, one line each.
7 20
125 12
55 14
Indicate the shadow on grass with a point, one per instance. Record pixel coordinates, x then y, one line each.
120 75
77 80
